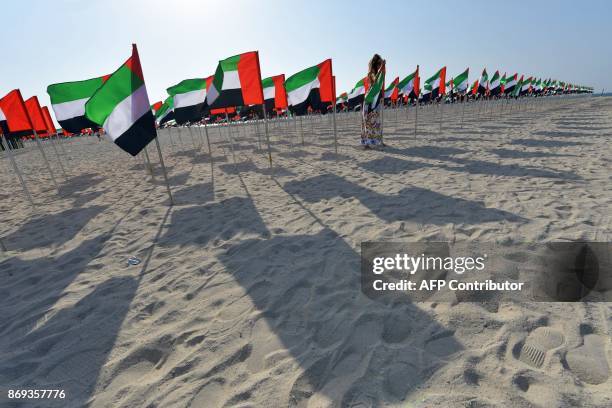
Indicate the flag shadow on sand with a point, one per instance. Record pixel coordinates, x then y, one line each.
35 345
51 229
411 203
306 290
352 350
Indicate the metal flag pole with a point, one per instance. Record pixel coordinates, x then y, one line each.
231 139
192 138
268 138
302 130
333 119
42 152
148 163
464 101
416 116
16 168
163 166
59 159
212 166
169 128
441 111
257 133
178 128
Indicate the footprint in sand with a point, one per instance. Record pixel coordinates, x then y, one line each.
588 362
538 343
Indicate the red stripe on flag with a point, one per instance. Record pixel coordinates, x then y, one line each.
326 87
48 120
280 94
133 63
416 86
35 113
442 81
15 111
250 78
209 81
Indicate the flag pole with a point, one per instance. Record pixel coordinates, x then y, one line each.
212 167
163 166
148 163
231 139
334 116
16 168
416 116
464 101
441 111
42 152
267 136
59 160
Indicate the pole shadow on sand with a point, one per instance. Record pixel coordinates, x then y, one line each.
306 288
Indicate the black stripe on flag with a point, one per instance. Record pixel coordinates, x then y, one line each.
138 135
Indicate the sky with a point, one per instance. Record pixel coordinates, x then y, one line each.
45 42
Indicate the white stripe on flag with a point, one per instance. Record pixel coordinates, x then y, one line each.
300 94
356 92
69 110
126 113
231 80
2 116
408 88
190 98
269 92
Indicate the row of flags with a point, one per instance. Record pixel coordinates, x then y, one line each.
436 85
119 102
19 117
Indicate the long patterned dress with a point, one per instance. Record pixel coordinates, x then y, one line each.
371 129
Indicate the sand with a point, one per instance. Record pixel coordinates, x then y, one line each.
248 290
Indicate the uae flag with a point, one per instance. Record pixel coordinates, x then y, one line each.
48 120
274 94
237 82
392 91
166 112
155 107
190 99
342 99
483 84
449 87
121 106
526 86
510 84
373 96
68 102
517 87
409 86
14 119
435 85
460 82
312 87
474 88
537 85
495 84
36 115
356 96
502 83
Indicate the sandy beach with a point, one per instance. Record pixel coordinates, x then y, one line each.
248 290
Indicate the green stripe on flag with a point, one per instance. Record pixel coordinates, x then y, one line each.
267 83
121 84
302 78
406 80
72 91
187 85
375 89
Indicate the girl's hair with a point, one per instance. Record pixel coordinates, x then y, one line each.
374 67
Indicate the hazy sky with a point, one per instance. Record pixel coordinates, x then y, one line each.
45 42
